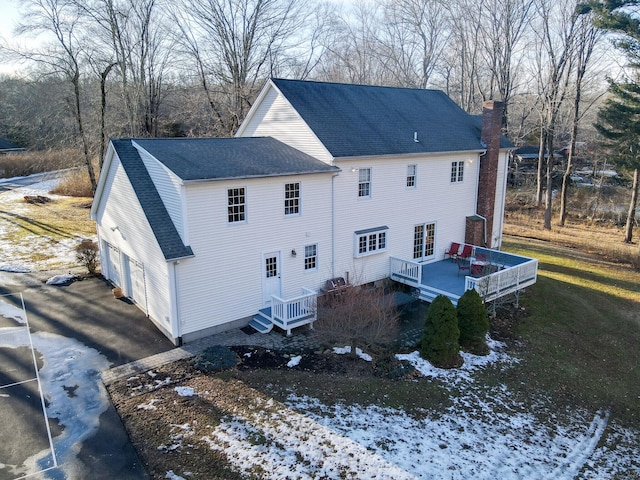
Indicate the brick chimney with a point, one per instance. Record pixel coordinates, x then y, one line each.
491 132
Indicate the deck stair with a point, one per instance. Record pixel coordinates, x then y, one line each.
262 321
428 294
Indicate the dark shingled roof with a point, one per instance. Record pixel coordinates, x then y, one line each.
359 120
225 158
157 215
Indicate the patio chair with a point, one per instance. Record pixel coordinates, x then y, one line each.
466 252
453 251
481 257
463 265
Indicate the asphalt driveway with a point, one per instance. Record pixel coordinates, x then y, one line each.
85 313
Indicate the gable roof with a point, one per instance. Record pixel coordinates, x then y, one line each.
6 145
157 215
361 120
193 159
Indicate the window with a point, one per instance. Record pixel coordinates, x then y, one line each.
364 182
237 204
424 240
291 198
370 241
311 257
457 171
411 176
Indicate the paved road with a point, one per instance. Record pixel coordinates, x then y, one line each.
17 182
88 312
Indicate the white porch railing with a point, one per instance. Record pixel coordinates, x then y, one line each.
294 312
406 271
504 282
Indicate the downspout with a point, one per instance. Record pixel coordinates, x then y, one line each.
333 227
176 303
504 199
484 229
484 220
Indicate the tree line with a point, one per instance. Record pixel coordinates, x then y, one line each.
146 68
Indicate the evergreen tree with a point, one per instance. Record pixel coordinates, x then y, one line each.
473 323
618 120
439 342
619 124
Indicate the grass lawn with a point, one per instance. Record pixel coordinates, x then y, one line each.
563 403
582 329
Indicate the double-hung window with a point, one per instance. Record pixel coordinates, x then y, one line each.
370 241
411 176
237 203
292 198
457 171
311 257
364 182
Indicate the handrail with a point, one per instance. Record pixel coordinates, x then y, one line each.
289 310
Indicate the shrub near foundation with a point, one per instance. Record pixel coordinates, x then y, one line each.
439 342
473 323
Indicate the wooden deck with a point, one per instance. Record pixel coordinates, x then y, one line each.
512 274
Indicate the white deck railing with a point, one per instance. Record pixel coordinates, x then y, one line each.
504 282
294 312
406 271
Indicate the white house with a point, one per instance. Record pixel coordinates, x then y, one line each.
323 180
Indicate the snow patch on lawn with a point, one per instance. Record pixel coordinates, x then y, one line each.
294 361
185 391
471 363
18 257
347 349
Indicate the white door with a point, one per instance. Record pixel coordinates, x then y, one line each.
138 291
271 284
114 266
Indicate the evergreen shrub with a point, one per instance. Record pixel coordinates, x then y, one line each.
473 323
439 342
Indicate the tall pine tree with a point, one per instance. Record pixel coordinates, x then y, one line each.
619 124
619 118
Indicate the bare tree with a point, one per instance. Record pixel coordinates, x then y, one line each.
555 31
236 44
504 24
587 39
413 39
359 317
62 21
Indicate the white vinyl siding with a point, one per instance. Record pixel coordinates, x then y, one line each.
122 224
223 282
275 118
169 187
400 210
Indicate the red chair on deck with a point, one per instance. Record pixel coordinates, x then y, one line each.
453 251
466 252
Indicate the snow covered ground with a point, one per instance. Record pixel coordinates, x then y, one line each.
482 435
19 257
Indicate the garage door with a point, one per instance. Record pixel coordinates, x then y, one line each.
114 266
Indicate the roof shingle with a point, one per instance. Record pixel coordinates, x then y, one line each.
157 215
361 120
225 158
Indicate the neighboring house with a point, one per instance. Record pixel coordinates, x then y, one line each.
8 147
322 181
